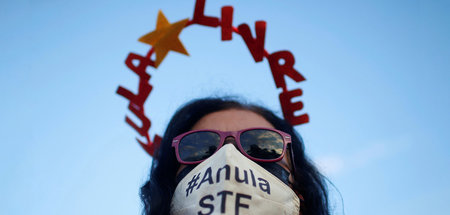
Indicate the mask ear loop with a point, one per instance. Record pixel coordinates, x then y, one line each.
291 158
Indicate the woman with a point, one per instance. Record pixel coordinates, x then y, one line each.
230 115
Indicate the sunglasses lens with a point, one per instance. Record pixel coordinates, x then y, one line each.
198 146
262 144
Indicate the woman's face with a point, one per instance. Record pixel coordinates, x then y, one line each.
234 120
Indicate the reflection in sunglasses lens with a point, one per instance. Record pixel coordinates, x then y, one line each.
262 144
198 146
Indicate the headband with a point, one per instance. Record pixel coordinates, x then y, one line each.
165 38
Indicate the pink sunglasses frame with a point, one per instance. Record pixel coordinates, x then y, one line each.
223 135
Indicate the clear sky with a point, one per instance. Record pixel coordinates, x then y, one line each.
377 93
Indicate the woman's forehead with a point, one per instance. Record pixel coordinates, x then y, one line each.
231 120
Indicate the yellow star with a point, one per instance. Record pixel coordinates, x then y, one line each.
165 38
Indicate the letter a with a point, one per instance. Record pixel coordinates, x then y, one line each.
206 178
264 185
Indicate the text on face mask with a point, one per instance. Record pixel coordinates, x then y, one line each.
214 176
205 202
208 179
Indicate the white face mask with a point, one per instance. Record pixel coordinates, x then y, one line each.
229 183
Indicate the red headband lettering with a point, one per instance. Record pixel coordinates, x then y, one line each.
165 38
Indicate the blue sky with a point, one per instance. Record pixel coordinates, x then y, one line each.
376 92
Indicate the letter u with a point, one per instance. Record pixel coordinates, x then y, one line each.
245 180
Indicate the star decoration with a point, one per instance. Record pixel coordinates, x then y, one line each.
165 38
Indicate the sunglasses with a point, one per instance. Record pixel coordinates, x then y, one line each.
257 144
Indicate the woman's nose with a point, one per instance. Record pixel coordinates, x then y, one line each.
230 140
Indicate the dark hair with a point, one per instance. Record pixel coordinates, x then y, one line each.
156 193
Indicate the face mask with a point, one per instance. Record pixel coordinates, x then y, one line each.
229 183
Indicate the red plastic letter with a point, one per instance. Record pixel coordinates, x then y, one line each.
200 18
289 108
144 86
151 147
141 68
139 112
255 45
287 68
227 23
